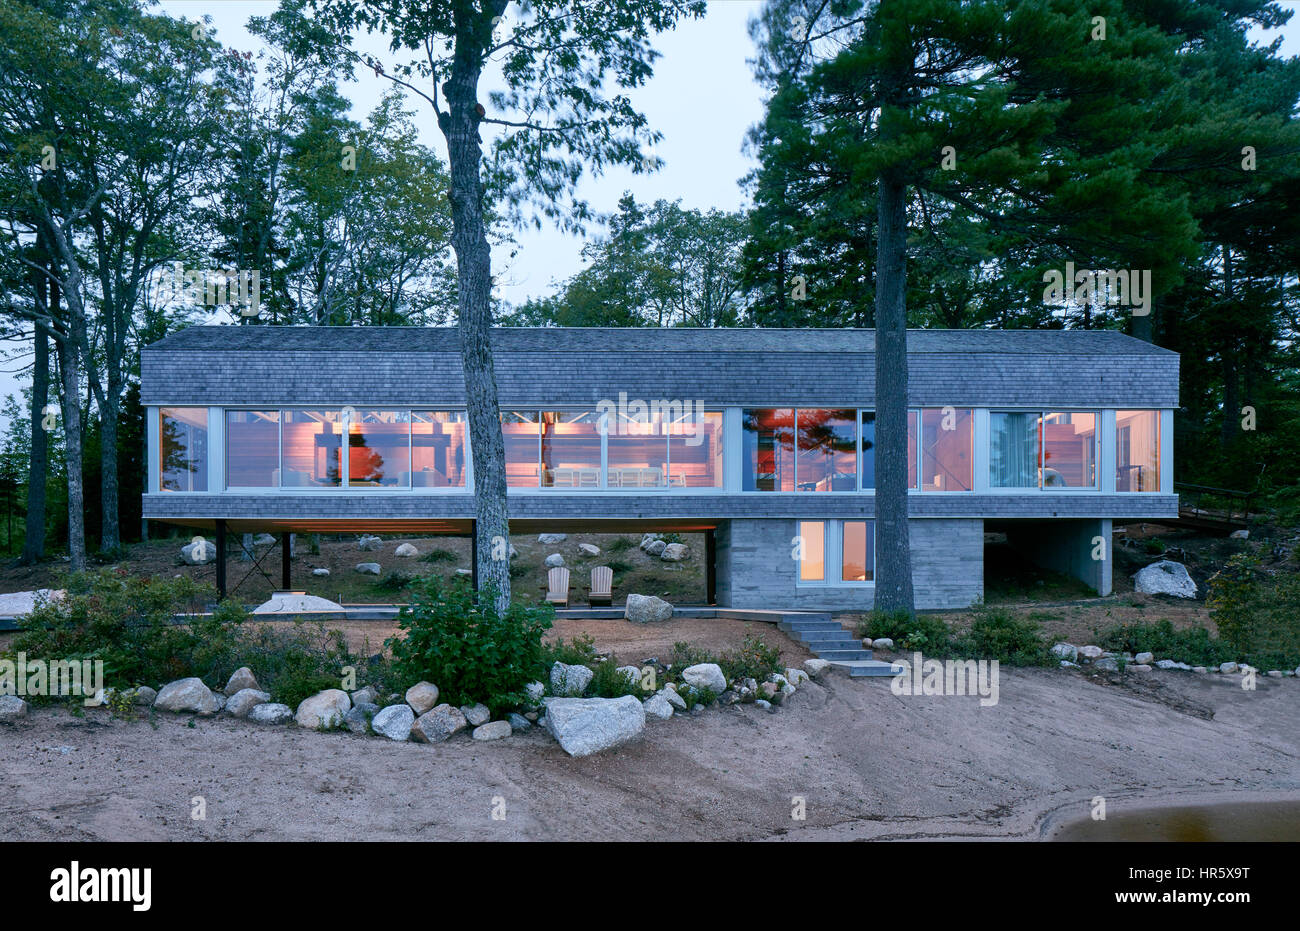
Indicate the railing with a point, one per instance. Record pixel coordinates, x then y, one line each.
1238 503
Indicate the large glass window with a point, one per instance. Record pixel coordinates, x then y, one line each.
769 449
858 552
836 552
438 450
1069 450
252 448
1013 449
638 451
868 456
310 450
694 450
827 449
379 449
520 432
812 551
947 449
183 448
1042 450
1137 450
570 449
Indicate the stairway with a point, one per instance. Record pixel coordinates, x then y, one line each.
831 642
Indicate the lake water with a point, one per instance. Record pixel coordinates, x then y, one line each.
1227 821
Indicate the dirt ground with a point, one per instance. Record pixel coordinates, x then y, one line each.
253 582
869 765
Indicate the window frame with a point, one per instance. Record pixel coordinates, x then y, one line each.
833 553
1098 452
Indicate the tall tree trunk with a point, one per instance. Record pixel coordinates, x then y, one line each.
893 553
71 405
474 286
110 538
38 464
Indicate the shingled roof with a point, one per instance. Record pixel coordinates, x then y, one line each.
251 365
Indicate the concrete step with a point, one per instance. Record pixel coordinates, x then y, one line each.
834 655
817 645
810 625
859 669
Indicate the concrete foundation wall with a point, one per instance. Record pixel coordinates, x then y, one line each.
1067 546
756 568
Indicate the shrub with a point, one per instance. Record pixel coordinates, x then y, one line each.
619 566
621 544
469 649
608 682
580 651
395 581
753 660
997 634
1154 546
1194 646
924 632
129 623
440 555
1257 612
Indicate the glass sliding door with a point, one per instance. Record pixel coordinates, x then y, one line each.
1013 449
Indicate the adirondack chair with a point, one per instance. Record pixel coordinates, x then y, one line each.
557 587
602 586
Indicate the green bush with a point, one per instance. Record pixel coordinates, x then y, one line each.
924 632
997 634
1257 612
608 682
129 623
621 544
753 660
395 581
469 649
440 555
1194 646
619 566
580 651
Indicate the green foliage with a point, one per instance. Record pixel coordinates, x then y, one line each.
395 581
754 659
470 650
997 634
1194 645
925 632
438 555
580 651
1257 612
621 545
608 682
619 566
128 622
1154 546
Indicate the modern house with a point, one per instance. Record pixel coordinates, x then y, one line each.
763 440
